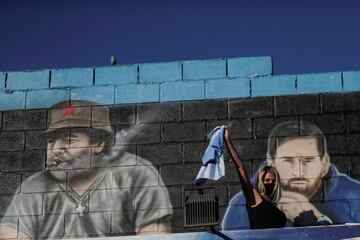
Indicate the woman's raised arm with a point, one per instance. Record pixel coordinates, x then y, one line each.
252 197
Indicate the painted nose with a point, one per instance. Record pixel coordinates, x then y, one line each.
57 149
298 170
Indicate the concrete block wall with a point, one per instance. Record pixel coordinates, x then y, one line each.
162 82
175 104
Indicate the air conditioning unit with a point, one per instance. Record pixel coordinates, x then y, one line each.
201 210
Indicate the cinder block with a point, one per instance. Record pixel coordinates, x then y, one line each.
204 110
163 112
137 134
72 77
251 149
26 198
9 183
337 144
319 83
176 174
204 69
25 120
342 163
12 141
101 95
2 80
263 126
179 132
116 75
227 88
57 208
121 114
177 220
137 93
23 161
97 198
353 122
46 98
37 139
351 81
258 107
4 203
297 105
177 91
160 153
340 102
12 100
355 166
273 86
352 143
175 194
160 72
239 128
249 66
194 151
121 216
28 80
334 123
231 173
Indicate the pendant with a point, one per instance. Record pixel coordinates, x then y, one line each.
80 209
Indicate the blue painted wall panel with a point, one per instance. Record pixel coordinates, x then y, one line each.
176 91
249 66
2 80
12 101
28 80
101 94
160 72
273 86
227 88
116 75
351 81
74 77
46 98
214 68
319 82
137 93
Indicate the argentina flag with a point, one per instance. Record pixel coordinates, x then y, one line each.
213 166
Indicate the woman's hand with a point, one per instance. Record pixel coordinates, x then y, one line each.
226 134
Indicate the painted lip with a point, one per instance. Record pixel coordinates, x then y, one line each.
298 182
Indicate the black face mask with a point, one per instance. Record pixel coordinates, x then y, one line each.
269 188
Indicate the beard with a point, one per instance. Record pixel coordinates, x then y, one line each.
59 168
308 189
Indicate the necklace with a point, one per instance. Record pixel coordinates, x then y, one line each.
80 205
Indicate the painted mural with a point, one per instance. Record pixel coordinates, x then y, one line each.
80 169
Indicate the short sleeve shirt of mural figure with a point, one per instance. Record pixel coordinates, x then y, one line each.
124 198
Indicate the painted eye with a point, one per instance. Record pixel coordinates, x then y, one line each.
309 160
288 160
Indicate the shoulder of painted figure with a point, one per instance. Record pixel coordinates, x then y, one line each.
341 186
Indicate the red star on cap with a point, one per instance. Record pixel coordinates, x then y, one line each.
69 111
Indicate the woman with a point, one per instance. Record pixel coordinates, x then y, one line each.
260 201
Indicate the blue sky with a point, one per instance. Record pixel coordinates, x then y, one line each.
301 36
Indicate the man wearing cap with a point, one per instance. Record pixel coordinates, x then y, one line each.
89 188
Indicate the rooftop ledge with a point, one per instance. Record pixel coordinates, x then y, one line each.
346 231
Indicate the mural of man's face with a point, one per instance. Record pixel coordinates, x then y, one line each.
300 165
73 152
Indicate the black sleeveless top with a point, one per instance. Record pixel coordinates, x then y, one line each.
265 215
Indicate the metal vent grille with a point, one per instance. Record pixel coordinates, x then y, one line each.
201 210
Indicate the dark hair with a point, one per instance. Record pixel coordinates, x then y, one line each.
95 135
293 129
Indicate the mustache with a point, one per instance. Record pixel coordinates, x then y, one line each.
298 179
59 164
